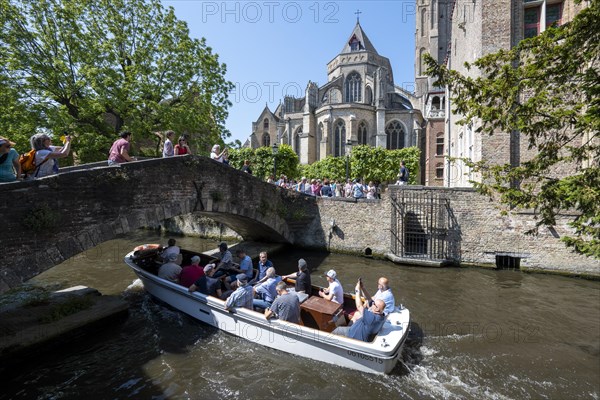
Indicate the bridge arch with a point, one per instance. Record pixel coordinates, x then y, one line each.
51 219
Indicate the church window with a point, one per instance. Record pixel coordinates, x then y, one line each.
439 171
362 133
297 140
368 95
423 20
266 125
435 103
334 96
439 144
532 22
353 88
395 135
354 44
339 139
318 141
421 53
266 139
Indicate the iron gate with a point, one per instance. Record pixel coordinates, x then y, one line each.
420 225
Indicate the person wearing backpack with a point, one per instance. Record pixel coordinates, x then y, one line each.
46 155
10 168
403 174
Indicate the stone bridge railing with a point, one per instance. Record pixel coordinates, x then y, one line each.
51 219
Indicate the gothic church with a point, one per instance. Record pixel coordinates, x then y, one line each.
359 104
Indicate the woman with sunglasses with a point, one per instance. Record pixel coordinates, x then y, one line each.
182 148
46 155
10 168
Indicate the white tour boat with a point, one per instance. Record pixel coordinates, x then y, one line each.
312 338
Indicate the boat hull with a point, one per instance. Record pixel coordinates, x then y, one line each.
379 356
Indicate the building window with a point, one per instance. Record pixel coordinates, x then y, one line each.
553 14
439 145
368 95
266 125
421 53
395 135
339 138
533 23
354 44
297 140
362 133
318 141
439 171
266 139
353 88
423 20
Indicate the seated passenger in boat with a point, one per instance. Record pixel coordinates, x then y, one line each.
286 306
171 270
225 261
242 296
266 292
334 292
245 267
263 264
384 292
191 273
366 321
302 277
206 284
170 249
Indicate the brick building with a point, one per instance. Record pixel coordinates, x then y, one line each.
459 31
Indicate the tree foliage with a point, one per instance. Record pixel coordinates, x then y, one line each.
96 67
548 89
262 160
366 162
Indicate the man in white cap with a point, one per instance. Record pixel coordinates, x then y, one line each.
242 296
207 284
171 269
334 292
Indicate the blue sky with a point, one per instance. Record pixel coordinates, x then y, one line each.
273 48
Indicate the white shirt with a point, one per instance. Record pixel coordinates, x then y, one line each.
335 287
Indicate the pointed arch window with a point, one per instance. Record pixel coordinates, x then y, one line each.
362 133
395 135
297 140
319 138
353 88
265 124
339 138
266 139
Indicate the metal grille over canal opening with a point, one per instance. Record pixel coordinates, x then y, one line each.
421 223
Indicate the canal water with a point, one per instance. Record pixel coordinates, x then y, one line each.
476 334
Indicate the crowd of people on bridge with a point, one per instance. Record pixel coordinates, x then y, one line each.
44 158
262 289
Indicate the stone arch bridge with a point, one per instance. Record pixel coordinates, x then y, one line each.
49 220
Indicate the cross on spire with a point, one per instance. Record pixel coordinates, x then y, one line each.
358 12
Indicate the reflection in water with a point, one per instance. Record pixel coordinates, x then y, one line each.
476 334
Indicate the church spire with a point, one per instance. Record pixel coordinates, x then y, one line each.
358 40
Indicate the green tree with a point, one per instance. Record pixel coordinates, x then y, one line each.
96 67
262 160
367 162
548 89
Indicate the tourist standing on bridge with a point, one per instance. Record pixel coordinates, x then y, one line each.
168 149
403 174
119 152
246 167
216 153
10 168
46 155
182 148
